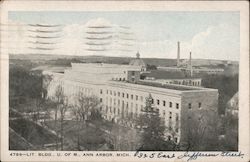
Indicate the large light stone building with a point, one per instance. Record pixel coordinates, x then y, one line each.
123 94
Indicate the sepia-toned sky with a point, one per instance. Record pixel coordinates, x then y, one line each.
209 35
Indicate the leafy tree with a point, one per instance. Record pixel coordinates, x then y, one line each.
152 129
24 85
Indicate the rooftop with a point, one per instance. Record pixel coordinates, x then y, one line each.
161 74
167 86
164 86
137 61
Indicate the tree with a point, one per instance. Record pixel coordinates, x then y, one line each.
61 103
200 131
152 129
227 86
62 110
230 131
151 67
82 111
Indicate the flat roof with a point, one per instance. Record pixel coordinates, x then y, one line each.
162 74
169 87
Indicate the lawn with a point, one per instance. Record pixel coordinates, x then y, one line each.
90 138
33 133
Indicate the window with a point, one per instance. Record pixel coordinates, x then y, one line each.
107 91
158 102
170 104
100 91
118 94
169 138
127 95
176 130
175 139
189 117
114 110
114 93
123 95
141 107
189 105
170 115
164 103
199 105
100 99
136 97
177 106
132 97
152 101
110 92
164 112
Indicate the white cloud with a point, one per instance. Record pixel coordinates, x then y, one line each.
216 42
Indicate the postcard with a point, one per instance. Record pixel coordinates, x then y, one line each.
124 81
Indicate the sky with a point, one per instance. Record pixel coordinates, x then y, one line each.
209 35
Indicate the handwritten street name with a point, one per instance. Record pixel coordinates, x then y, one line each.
187 155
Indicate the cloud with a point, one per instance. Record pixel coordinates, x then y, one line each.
163 49
216 42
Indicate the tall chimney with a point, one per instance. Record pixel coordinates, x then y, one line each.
178 54
190 65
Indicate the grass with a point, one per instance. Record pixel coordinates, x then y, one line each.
90 138
32 132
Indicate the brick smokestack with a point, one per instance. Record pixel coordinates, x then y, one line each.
178 54
190 64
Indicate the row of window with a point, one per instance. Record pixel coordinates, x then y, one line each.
136 97
123 95
190 105
164 103
136 114
141 109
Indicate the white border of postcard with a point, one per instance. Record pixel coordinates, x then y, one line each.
241 6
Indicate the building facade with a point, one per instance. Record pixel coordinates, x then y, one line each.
123 95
